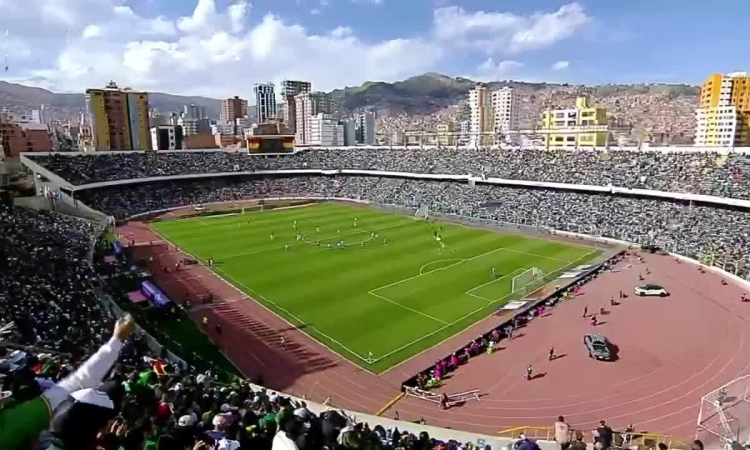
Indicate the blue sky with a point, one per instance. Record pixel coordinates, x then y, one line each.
632 41
337 42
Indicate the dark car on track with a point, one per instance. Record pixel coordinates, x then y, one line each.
598 346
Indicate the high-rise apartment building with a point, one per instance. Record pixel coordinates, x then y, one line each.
325 131
167 137
723 115
366 128
265 102
193 111
308 105
289 90
482 116
231 109
492 113
505 104
350 132
119 118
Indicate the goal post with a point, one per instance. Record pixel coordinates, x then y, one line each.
724 414
251 208
527 281
423 212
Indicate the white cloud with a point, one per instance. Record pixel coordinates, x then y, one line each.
561 65
74 44
489 66
499 32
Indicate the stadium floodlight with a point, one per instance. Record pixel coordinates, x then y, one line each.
526 280
725 412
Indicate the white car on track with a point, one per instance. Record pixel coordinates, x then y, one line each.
651 290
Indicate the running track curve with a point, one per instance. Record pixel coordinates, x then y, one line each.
672 352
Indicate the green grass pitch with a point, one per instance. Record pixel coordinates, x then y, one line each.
380 300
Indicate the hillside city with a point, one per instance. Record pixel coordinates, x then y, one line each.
487 114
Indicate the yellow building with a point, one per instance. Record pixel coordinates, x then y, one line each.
119 118
723 114
445 134
582 126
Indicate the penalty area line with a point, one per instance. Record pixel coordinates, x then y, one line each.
466 316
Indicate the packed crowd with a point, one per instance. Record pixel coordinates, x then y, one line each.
685 172
707 233
46 285
69 383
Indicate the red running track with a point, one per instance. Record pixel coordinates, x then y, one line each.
672 352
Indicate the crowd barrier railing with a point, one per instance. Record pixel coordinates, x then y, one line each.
630 438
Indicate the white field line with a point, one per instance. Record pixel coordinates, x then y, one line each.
469 292
511 233
507 249
521 252
408 308
424 266
247 213
306 242
229 213
416 341
226 279
436 270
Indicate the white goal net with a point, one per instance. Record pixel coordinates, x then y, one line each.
423 212
528 280
724 414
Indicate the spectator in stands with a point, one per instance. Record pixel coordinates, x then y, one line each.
707 173
71 405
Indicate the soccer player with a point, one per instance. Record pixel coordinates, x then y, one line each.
494 274
355 222
551 353
529 372
283 343
286 246
385 241
210 262
295 225
362 245
317 229
272 236
299 237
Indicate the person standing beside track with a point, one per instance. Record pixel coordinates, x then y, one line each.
562 433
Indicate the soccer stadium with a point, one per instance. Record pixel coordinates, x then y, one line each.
378 298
